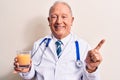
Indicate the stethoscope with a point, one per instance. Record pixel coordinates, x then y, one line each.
79 63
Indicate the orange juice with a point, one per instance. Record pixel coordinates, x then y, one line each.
23 59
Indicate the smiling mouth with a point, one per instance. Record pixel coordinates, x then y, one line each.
59 27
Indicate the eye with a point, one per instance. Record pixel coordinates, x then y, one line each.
53 16
64 17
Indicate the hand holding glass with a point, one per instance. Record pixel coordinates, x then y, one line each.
23 58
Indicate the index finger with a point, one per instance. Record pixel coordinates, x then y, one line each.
100 44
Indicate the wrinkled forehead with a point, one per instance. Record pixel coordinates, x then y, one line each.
60 7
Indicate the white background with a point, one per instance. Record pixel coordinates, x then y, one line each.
24 21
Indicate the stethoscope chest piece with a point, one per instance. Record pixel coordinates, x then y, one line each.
79 63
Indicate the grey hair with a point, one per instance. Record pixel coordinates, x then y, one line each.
60 2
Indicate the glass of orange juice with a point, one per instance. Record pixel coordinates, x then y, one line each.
23 58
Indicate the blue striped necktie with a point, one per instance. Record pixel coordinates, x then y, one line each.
58 48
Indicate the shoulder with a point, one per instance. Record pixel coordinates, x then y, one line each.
77 38
38 42
82 42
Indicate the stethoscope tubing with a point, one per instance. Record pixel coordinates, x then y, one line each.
78 61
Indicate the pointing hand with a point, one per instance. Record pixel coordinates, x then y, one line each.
94 57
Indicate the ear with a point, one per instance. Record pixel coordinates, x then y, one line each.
72 20
49 20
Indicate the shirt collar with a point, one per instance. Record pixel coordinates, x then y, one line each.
64 40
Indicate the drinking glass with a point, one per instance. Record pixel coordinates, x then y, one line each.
23 58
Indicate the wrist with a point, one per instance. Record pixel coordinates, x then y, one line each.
90 70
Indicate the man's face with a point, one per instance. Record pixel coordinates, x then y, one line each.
60 21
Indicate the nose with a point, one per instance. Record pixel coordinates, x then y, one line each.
59 20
